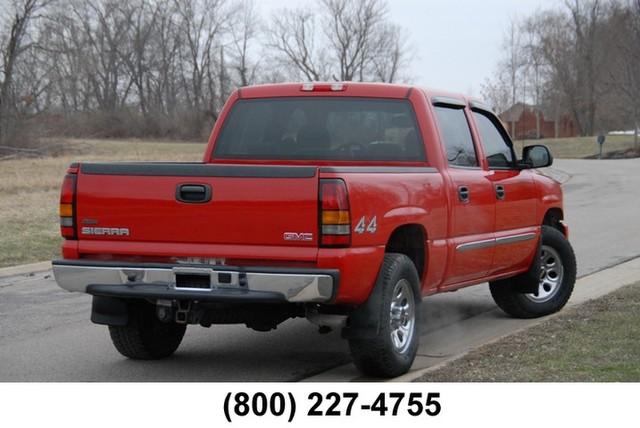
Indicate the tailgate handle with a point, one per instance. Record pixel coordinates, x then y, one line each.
193 193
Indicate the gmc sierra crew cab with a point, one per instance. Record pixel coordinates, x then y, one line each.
345 203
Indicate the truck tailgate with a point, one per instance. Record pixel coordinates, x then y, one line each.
150 203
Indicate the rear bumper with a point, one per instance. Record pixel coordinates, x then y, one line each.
227 283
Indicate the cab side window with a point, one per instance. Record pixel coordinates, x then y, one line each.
496 145
456 136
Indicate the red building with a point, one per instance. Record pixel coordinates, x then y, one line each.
524 121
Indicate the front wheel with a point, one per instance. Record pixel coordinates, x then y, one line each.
557 276
391 352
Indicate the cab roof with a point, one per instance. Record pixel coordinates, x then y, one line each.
351 89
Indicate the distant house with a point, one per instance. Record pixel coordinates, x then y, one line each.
527 121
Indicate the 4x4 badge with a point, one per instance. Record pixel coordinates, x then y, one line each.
371 227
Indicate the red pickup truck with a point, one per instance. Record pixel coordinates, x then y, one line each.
343 203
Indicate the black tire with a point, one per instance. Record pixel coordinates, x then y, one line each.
522 305
378 356
146 337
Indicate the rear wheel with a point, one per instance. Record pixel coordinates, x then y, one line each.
556 278
391 352
146 337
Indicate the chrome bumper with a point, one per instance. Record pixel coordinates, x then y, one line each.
295 285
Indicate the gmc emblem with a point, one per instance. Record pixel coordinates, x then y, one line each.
295 236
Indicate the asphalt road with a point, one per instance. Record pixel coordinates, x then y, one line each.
46 335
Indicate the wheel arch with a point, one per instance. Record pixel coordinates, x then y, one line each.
554 217
410 239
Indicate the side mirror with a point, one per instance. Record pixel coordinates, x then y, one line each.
537 156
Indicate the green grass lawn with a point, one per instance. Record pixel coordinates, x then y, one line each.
598 341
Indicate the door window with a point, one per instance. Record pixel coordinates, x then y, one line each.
497 148
456 135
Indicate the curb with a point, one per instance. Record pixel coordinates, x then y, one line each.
25 269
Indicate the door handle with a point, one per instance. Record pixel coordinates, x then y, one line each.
463 194
500 193
193 193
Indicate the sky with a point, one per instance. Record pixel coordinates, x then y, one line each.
456 43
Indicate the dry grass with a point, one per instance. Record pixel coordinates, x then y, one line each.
29 191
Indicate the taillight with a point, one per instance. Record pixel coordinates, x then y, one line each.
335 219
67 208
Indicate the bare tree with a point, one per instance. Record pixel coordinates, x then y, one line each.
497 93
507 86
200 25
587 17
350 26
136 53
513 63
165 67
104 26
573 44
390 54
12 48
624 72
244 31
535 67
163 83
293 34
68 71
356 41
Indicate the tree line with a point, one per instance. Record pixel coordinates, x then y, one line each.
163 68
581 59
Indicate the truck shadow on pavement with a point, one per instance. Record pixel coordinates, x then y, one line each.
293 352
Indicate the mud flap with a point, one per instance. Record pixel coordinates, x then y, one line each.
364 322
109 311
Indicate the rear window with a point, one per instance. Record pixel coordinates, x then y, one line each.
321 129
